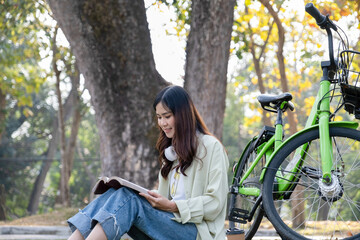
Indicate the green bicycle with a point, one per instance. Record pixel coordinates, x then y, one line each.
315 171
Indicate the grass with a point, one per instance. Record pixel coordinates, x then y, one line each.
57 217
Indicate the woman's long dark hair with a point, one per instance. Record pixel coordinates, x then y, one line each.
187 122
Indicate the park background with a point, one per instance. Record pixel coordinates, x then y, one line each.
71 114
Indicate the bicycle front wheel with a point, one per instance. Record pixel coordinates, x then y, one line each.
308 208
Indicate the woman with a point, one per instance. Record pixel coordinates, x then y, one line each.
190 202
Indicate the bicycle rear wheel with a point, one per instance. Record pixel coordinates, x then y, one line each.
310 209
244 202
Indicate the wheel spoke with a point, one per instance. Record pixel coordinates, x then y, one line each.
316 209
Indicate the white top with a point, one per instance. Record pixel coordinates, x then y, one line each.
177 190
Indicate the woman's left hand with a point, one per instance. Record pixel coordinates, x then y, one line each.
159 202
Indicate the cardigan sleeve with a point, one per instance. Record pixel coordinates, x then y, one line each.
210 203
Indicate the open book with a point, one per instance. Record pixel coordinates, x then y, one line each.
105 183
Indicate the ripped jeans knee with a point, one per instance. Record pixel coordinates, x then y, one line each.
118 211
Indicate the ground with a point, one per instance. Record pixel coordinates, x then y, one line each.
55 218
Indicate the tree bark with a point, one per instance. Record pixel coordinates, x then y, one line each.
2 203
207 54
111 42
2 113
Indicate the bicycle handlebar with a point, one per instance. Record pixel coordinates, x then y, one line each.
315 13
321 20
325 23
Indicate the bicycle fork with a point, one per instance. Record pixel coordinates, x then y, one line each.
326 152
320 113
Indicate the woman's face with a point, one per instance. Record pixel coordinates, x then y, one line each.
166 120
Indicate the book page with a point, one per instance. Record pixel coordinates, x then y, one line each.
115 182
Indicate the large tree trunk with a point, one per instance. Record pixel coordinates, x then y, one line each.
207 54
111 42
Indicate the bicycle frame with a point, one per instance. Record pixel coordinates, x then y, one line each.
266 149
318 118
286 181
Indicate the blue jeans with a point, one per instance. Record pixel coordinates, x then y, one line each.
125 211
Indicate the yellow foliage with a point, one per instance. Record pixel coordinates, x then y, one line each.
292 77
263 35
252 106
345 12
251 120
309 102
271 84
247 17
254 80
338 118
241 29
252 11
239 19
304 85
334 6
337 16
311 71
19 80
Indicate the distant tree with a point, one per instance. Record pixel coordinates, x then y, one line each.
20 74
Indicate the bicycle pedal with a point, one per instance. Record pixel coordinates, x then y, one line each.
239 215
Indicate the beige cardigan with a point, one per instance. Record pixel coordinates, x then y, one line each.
206 188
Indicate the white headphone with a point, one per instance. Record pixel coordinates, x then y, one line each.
170 154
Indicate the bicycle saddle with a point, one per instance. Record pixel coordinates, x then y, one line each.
273 101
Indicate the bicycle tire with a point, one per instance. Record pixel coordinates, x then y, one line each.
329 213
246 202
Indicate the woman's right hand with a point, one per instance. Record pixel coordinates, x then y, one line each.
159 202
